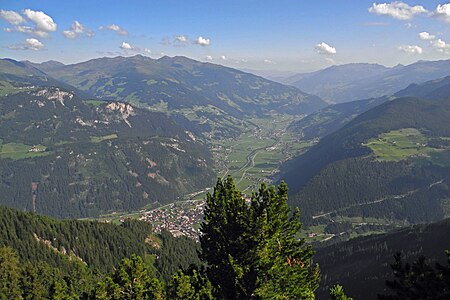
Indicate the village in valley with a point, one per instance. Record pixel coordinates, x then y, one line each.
180 218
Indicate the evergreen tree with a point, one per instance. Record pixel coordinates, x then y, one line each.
228 242
284 261
190 285
134 279
337 293
251 249
418 280
9 274
60 291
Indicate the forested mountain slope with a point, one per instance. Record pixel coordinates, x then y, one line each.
391 163
331 118
67 157
80 253
362 265
208 94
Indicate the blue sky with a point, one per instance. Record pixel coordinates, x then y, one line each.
283 35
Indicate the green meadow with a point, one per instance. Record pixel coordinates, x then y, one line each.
400 144
21 151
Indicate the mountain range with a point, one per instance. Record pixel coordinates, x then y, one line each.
350 82
69 156
217 97
390 163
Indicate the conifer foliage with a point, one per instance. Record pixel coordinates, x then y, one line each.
251 248
418 280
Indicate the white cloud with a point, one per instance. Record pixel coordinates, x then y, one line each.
116 28
29 44
42 21
126 46
325 49
209 57
11 17
443 12
182 39
397 10
413 49
202 41
69 34
77 29
223 57
39 24
131 49
34 44
268 61
425 36
441 46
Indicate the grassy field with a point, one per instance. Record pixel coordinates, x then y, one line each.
94 102
400 145
21 151
6 88
98 139
256 155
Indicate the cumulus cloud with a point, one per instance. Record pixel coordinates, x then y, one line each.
77 29
425 36
223 57
443 12
182 39
126 46
35 23
412 49
34 44
11 17
325 49
131 49
31 31
209 57
397 10
42 21
268 61
116 28
435 43
29 44
441 46
176 41
202 41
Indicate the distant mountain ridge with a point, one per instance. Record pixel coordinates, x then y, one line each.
331 118
203 92
15 74
350 82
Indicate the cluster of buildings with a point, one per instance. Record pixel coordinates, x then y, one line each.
180 218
